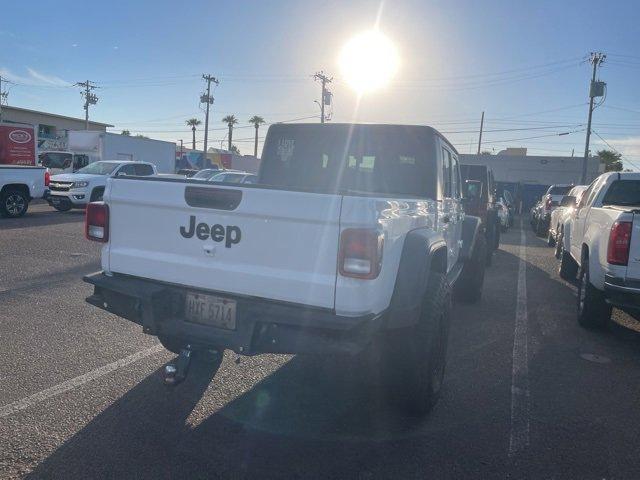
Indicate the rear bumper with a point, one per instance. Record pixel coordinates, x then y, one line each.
262 326
622 293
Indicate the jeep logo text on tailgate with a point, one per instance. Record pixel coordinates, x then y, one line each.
231 234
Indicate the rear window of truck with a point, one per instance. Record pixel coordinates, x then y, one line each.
376 159
623 192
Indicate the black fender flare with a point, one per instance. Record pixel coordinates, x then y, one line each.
471 228
422 251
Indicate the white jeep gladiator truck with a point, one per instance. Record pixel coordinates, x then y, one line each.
604 248
349 243
75 190
18 186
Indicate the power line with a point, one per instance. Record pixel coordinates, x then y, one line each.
325 96
615 150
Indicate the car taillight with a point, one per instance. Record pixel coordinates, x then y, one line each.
619 242
360 253
47 178
96 224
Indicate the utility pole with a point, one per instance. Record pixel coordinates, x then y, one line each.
181 148
3 96
208 99
89 99
480 138
596 89
325 99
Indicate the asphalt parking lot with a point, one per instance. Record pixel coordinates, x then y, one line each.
82 393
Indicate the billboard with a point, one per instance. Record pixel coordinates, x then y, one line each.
17 144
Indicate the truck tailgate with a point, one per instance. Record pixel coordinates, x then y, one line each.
268 243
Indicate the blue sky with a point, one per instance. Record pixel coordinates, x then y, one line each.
518 61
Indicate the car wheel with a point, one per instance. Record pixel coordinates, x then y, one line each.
413 359
593 310
13 203
568 267
468 288
63 207
540 228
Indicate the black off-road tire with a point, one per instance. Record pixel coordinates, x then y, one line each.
551 241
592 308
468 288
541 228
13 203
489 242
412 359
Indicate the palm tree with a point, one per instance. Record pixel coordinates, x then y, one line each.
193 123
257 121
230 120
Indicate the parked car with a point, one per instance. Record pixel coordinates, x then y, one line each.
18 186
323 256
75 190
480 192
205 173
187 172
549 201
234 177
604 248
566 206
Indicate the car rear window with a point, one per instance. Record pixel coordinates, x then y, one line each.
384 159
559 190
623 192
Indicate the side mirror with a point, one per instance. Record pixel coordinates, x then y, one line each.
568 201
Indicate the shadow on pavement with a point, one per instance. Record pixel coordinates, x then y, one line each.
42 218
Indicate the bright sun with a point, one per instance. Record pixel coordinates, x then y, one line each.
368 61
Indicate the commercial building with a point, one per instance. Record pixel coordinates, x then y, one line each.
51 129
528 176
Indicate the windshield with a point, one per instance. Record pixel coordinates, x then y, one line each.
207 173
99 168
623 192
559 190
384 159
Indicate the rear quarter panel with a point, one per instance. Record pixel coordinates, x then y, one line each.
596 239
395 218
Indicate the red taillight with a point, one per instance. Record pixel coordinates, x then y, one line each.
96 224
360 253
47 178
619 242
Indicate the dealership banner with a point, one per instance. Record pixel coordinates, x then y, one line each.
17 144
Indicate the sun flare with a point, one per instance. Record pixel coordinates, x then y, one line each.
369 61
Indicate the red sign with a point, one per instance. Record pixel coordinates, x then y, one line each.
17 145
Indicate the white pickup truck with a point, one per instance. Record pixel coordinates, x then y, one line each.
75 190
604 247
349 243
18 186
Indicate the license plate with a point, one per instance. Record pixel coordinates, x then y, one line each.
210 310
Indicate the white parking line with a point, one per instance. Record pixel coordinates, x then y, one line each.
65 386
519 436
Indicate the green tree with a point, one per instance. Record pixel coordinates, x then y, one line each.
126 133
611 160
193 123
234 149
141 136
230 120
256 121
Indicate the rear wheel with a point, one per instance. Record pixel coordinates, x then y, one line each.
559 243
412 360
593 310
541 229
468 288
13 203
490 240
63 207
